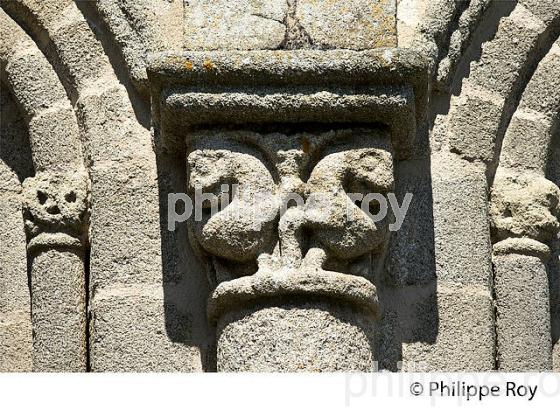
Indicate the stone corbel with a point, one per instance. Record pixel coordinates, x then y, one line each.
281 122
56 209
524 211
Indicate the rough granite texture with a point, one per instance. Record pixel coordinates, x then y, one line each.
59 320
522 314
288 338
108 106
289 24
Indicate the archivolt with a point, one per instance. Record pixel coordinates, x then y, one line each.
53 127
480 114
528 139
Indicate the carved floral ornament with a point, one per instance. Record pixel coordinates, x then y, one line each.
279 123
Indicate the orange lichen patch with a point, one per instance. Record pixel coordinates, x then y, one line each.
208 65
386 26
188 65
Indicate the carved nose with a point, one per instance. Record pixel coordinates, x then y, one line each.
291 237
342 228
53 209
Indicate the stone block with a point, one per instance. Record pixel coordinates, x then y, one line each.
542 93
234 25
474 123
54 140
16 350
504 57
353 24
15 304
461 226
125 198
129 333
450 330
525 141
33 82
547 10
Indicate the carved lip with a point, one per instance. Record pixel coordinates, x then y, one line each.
58 240
522 246
354 290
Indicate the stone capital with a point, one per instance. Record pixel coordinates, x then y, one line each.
279 122
524 211
56 206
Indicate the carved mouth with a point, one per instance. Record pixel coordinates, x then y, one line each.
54 240
354 290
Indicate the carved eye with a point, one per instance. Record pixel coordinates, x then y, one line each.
70 197
29 216
42 197
373 206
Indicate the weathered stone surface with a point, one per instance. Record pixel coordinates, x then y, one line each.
55 206
130 333
475 122
553 268
516 149
59 320
525 206
16 343
353 24
239 25
141 27
449 328
523 314
277 24
300 337
461 226
279 96
302 86
503 58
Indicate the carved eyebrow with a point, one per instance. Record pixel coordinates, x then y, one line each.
245 141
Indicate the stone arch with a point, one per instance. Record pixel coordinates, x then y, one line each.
130 292
537 116
15 165
474 96
480 114
523 234
52 124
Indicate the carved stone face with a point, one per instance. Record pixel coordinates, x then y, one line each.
55 203
525 206
264 228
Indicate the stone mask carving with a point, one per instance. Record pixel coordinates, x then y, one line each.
55 207
257 234
525 205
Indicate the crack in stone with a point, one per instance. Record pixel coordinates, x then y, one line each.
296 35
267 18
